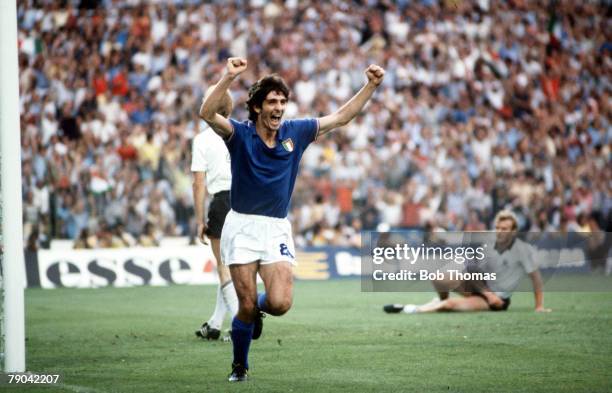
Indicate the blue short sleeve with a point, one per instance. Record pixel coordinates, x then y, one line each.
304 131
240 130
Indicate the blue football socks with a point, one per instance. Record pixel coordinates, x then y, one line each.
261 302
242 334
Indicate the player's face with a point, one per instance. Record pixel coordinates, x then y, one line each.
505 231
272 110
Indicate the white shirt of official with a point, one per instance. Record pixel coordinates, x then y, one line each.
209 155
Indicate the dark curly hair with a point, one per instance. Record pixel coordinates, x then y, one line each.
259 91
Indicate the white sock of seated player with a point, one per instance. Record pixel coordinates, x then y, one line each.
216 320
229 295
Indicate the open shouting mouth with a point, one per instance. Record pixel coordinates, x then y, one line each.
275 119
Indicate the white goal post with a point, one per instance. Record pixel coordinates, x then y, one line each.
13 269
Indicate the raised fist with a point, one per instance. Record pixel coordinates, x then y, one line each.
375 74
236 65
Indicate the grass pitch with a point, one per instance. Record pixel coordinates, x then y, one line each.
335 339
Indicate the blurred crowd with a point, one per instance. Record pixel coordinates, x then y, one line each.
485 105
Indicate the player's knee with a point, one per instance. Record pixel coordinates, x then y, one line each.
247 306
279 306
448 305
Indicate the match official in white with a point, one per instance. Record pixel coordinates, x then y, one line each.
210 164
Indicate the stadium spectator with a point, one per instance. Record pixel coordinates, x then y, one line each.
149 237
85 240
486 106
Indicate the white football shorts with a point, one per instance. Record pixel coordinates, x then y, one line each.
247 238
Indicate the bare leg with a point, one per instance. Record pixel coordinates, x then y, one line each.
278 280
463 288
245 281
225 279
226 297
222 270
470 303
244 277
444 287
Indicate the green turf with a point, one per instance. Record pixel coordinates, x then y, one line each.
335 339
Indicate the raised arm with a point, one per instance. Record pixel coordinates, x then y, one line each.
348 111
208 110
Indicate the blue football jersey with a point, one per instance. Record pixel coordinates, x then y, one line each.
263 177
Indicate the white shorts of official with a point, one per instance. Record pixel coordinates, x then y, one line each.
248 238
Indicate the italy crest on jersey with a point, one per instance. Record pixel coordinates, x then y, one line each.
288 144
